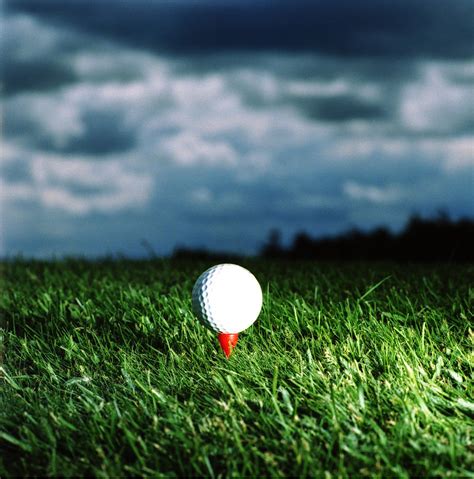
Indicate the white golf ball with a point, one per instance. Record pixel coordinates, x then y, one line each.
227 298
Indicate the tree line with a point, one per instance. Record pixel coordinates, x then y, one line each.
432 239
422 239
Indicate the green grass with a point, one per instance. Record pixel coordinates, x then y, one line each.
351 370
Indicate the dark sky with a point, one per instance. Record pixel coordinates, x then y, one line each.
209 123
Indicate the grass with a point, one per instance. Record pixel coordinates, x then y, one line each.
351 370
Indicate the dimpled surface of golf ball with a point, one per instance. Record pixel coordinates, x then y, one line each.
227 298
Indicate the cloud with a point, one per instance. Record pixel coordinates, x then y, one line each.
189 149
38 65
78 186
48 75
371 193
26 120
342 108
437 104
219 147
343 28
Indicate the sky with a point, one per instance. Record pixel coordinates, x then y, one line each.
210 123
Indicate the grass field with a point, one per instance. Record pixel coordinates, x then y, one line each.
351 370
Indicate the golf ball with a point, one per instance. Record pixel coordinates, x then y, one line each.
227 298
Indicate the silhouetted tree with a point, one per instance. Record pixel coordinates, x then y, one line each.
273 247
436 239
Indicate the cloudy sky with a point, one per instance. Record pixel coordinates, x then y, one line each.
208 123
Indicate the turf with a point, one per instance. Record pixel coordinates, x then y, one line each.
351 370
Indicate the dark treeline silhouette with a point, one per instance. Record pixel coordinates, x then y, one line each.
435 239
422 239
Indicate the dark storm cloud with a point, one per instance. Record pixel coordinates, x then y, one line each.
407 28
340 108
307 65
103 132
49 74
387 76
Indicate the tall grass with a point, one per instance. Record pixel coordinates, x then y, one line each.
350 370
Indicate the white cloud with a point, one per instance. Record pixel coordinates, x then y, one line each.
435 103
188 149
331 88
371 193
54 116
26 38
106 63
77 185
361 146
455 154
129 193
82 186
